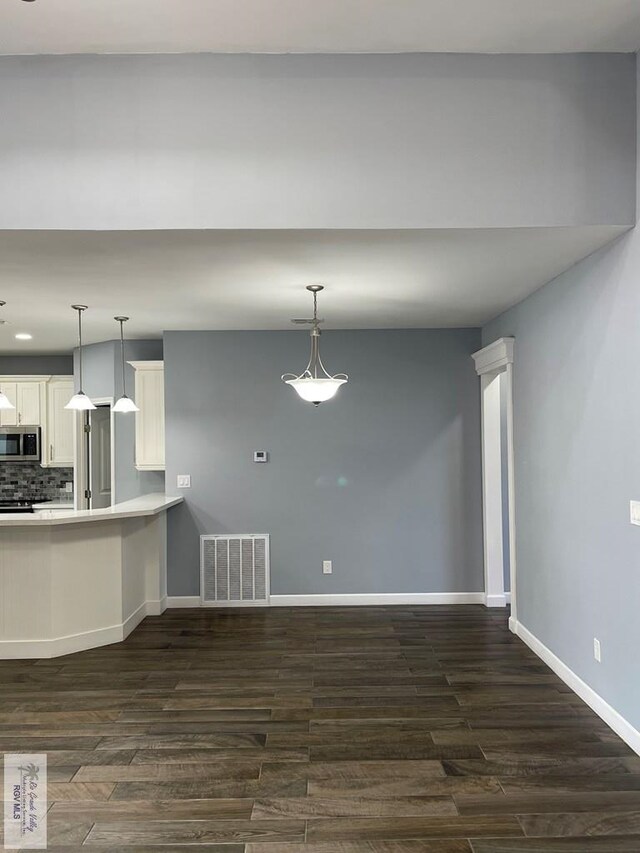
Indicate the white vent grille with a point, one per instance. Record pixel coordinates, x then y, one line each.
234 570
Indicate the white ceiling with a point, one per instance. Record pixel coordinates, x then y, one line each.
256 279
318 26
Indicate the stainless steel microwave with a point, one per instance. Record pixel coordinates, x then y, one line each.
20 444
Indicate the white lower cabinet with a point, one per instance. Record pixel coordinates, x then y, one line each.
149 397
59 448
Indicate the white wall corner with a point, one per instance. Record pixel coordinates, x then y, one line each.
494 357
622 727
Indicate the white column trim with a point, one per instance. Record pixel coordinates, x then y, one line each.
495 357
490 362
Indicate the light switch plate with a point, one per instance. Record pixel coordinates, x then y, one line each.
597 651
634 512
327 567
184 481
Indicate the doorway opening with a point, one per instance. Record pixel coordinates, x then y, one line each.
494 366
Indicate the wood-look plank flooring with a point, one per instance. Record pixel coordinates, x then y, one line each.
329 730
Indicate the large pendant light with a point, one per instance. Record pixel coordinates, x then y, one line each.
80 402
124 404
5 402
314 384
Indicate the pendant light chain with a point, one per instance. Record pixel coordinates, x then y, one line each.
121 321
80 347
124 404
315 384
80 402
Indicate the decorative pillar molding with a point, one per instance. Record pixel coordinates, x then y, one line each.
490 363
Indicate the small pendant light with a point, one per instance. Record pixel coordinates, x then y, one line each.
5 402
124 404
314 384
80 402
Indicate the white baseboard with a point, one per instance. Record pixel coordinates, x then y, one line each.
507 597
134 619
360 599
495 600
347 599
53 648
156 608
28 649
611 717
183 601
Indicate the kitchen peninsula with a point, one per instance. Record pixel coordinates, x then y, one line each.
73 580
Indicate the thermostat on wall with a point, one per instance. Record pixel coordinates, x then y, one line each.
260 456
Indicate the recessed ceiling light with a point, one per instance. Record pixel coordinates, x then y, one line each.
24 336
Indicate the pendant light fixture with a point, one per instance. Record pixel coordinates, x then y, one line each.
314 384
80 402
124 404
5 402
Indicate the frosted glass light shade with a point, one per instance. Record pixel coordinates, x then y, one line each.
80 402
5 402
315 390
125 404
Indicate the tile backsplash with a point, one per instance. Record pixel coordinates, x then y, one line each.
29 481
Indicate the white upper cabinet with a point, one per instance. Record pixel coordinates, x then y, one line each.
40 401
149 397
59 449
26 396
29 403
9 417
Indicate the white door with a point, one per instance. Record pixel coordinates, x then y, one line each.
100 457
9 417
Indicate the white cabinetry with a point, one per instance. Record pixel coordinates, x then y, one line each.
28 405
58 451
149 397
9 417
40 401
27 397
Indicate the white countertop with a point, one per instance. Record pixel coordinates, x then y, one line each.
145 505
53 505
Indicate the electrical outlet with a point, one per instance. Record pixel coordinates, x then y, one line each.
327 568
596 650
634 512
68 487
184 481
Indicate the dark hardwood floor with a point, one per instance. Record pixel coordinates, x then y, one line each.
385 730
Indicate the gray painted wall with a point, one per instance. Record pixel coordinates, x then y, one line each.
103 378
577 422
411 141
384 480
36 365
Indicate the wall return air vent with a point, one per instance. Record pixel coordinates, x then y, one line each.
234 570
